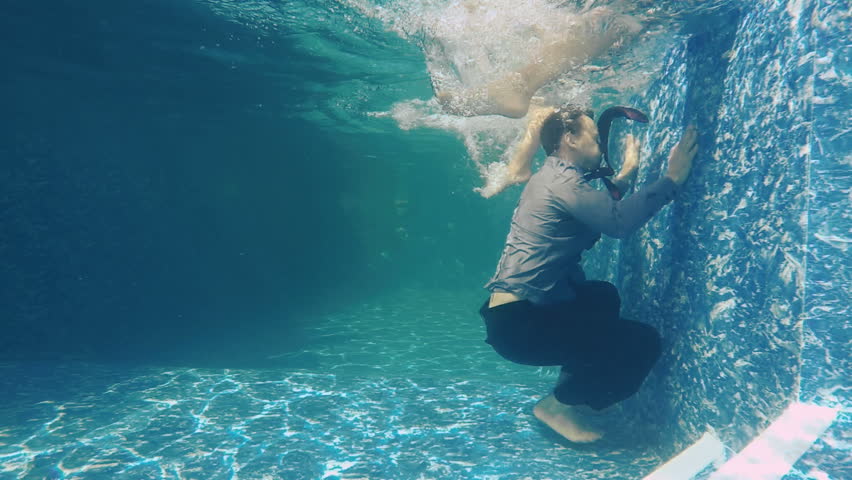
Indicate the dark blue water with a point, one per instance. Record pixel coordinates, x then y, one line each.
222 258
161 193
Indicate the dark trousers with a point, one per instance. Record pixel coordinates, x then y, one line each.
604 357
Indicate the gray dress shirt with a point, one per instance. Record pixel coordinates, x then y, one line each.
560 215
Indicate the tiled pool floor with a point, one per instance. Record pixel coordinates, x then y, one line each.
384 392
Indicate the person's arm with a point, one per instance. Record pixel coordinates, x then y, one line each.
597 210
680 158
518 169
629 165
519 164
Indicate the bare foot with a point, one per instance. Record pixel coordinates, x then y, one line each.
500 176
447 99
564 420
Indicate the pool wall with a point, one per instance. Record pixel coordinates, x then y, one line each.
746 274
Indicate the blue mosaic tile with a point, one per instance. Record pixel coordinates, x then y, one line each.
385 394
269 425
762 229
720 272
828 309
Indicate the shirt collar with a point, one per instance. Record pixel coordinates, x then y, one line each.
563 166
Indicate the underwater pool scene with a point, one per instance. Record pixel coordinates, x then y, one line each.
248 239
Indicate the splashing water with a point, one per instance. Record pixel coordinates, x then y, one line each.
469 43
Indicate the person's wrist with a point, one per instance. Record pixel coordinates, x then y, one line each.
674 178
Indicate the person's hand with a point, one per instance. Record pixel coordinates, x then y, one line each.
631 156
538 114
681 155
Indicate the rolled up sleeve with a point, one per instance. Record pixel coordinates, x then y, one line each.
598 211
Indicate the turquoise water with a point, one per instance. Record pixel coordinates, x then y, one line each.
386 390
241 239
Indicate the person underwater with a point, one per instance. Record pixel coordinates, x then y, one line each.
542 310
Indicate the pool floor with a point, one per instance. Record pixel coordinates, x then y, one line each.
390 390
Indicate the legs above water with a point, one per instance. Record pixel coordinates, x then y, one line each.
590 36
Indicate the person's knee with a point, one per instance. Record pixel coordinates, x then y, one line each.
514 108
613 300
599 290
602 297
610 292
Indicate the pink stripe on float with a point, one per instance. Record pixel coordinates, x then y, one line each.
772 454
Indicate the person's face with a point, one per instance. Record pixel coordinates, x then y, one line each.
585 144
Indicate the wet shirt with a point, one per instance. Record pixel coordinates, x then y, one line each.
559 215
